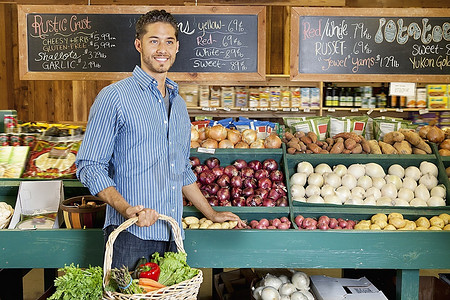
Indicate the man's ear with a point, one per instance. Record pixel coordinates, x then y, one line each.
138 45
178 46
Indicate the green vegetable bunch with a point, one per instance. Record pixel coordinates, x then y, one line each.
78 283
174 268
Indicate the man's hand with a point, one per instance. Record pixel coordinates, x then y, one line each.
222 216
146 216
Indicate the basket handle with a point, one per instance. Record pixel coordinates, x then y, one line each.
112 237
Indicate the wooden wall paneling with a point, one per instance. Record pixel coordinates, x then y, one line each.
287 39
220 2
43 102
397 3
63 95
6 53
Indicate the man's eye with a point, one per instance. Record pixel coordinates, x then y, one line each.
153 41
170 42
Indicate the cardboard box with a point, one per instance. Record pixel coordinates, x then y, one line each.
329 288
38 198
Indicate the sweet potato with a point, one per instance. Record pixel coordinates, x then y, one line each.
374 147
444 152
329 141
393 136
346 151
338 147
324 151
365 145
299 134
418 151
403 147
411 136
288 135
350 143
295 145
302 146
349 135
386 148
306 140
312 136
314 148
357 149
424 146
291 150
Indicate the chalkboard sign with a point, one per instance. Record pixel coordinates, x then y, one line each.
95 42
402 43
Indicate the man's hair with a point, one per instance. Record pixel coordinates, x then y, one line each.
154 16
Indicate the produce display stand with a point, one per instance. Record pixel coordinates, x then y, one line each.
406 251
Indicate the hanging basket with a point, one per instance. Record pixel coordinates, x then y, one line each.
186 290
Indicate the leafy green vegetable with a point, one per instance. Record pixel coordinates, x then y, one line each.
78 283
174 268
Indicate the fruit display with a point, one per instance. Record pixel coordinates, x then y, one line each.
368 184
323 223
242 183
396 221
264 223
192 222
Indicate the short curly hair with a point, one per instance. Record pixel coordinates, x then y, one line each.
154 16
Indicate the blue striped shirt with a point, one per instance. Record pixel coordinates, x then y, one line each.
132 144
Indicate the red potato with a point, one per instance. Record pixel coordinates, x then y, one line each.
283 226
299 220
284 219
264 222
333 223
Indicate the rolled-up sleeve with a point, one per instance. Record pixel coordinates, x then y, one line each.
96 150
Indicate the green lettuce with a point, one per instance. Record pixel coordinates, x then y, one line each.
174 268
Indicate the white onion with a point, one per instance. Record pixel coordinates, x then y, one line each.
428 168
332 199
373 191
298 179
303 199
422 192
305 167
298 295
332 179
315 199
397 170
322 168
354 201
409 183
395 180
270 293
340 170
384 201
300 280
365 182
374 170
406 194
327 190
315 179
435 201
273 281
343 193
307 294
257 292
418 202
312 190
297 191
400 202
428 180
284 279
284 297
438 191
349 181
370 200
286 289
378 182
389 190
357 170
358 192
413 172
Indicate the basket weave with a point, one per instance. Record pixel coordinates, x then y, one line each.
186 290
4 224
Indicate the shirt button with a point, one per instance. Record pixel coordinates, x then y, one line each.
172 165
173 187
165 122
173 209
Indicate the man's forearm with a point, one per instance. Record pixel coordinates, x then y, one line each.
193 194
112 197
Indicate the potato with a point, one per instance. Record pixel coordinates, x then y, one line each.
390 227
374 227
395 215
447 227
397 222
445 217
209 222
184 225
434 228
194 226
215 226
436 221
410 225
365 222
191 220
362 226
379 216
225 225
204 225
381 223
202 220
423 222
421 228
233 224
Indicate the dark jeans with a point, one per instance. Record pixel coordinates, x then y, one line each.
128 248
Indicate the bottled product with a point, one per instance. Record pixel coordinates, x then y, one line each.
329 95
335 94
357 97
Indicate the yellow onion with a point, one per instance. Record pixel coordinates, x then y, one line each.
195 144
217 132
249 136
272 141
234 136
210 144
202 133
226 144
435 134
194 134
257 144
241 145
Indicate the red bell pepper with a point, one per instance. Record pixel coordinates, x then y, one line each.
149 270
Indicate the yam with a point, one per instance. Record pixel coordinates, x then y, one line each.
306 140
338 147
444 152
329 141
418 151
346 151
291 150
374 147
393 136
445 144
349 135
357 149
312 136
288 135
424 146
314 148
324 151
386 148
302 146
403 147
365 145
299 134
411 136
293 144
350 143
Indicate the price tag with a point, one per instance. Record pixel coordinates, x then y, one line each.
263 109
244 109
383 110
253 109
274 109
294 108
226 109
402 89
423 111
332 109
354 110
206 108
399 110
206 150
286 109
306 109
370 111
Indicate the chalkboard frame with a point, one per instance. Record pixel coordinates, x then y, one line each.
25 74
297 12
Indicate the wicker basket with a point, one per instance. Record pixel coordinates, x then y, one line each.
186 290
5 222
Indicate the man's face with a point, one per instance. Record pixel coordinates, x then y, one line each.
158 47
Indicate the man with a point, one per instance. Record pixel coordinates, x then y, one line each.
135 153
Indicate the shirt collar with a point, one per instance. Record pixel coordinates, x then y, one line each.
145 80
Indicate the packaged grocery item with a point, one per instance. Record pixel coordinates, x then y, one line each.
436 89
203 95
437 101
285 97
314 97
264 97
410 101
275 97
215 96
241 97
305 95
227 96
12 161
189 92
383 125
253 100
296 97
356 124
421 98
318 125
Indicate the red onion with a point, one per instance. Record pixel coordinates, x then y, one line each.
223 181
351 223
276 175
212 188
333 223
223 194
264 222
282 201
254 200
250 182
275 222
284 226
265 183
195 161
238 201
268 202
255 165
253 223
212 162
273 194
240 163
247 172
204 192
200 169
225 203
270 165
231 171
261 174
299 220
271 227
248 191
262 192
236 181
235 192
213 201
218 171
284 219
